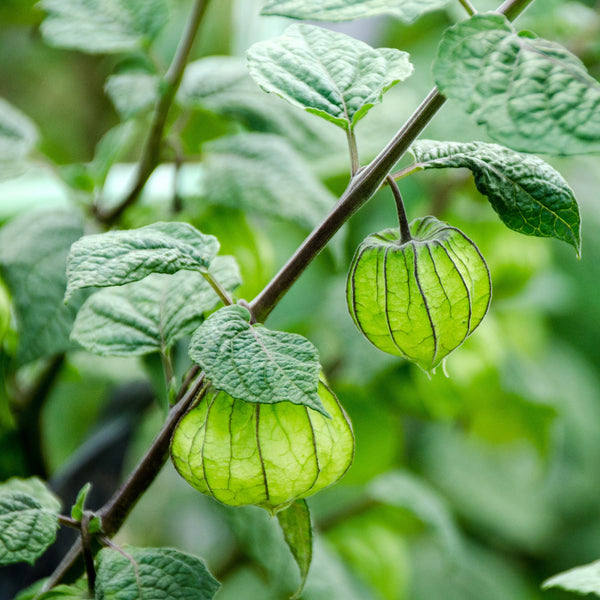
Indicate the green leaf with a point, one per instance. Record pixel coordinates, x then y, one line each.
327 73
120 257
530 94
252 363
132 93
261 173
347 10
33 256
34 487
584 579
79 506
153 574
76 591
297 531
97 26
18 136
405 490
526 192
152 314
27 529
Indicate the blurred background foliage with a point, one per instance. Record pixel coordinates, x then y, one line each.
476 485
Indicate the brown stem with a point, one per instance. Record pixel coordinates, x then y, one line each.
405 235
151 152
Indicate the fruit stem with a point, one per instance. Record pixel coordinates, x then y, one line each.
405 235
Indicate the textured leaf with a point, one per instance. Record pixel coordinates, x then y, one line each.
584 579
526 192
120 257
26 528
18 136
405 490
347 10
132 93
33 257
421 298
254 364
150 315
297 531
155 574
103 26
327 73
264 454
76 591
261 173
530 94
34 487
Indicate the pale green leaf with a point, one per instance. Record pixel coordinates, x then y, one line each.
583 580
26 528
347 10
327 73
79 506
150 315
262 173
132 93
407 491
33 256
153 574
297 531
103 26
252 363
34 487
530 94
76 591
526 192
18 136
119 257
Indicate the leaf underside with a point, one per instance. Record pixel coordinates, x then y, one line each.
527 193
530 94
584 579
327 73
18 136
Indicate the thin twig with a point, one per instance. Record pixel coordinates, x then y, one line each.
471 10
69 522
151 152
405 235
218 288
88 556
353 148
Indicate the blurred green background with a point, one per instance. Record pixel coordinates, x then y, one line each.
478 485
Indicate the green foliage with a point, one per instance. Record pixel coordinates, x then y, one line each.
254 364
530 94
527 193
96 26
153 574
441 268
347 10
119 257
152 314
327 73
263 454
33 255
77 591
18 137
132 92
583 580
297 531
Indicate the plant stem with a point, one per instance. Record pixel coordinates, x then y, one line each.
354 163
468 7
218 288
409 170
405 235
88 557
151 152
69 522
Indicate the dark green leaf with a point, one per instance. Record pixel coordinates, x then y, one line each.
583 580
150 315
153 574
327 73
405 490
18 136
252 363
297 531
132 93
261 173
79 506
97 26
33 256
34 487
526 192
347 10
530 94
26 528
120 257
